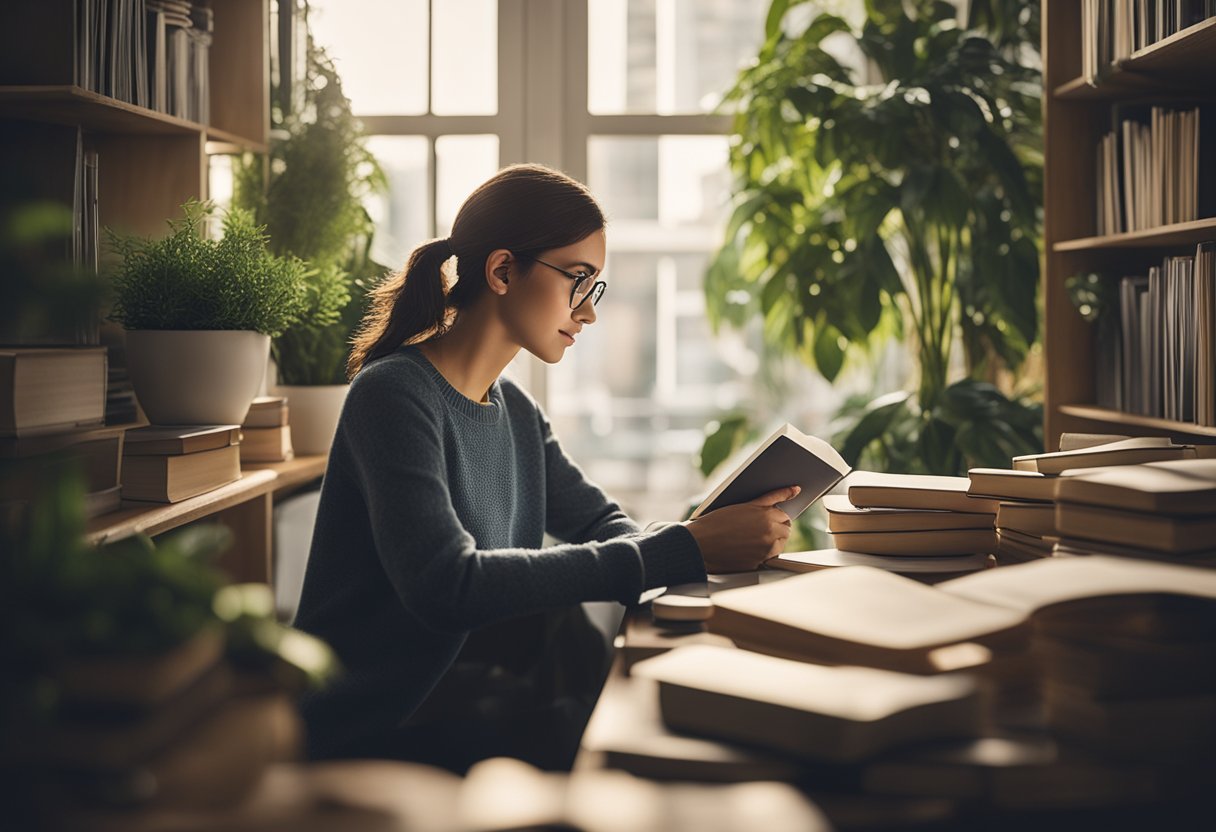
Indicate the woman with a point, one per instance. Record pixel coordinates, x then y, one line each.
444 476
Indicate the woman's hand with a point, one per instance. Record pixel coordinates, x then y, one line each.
741 537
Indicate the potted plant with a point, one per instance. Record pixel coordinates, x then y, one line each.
321 173
199 314
133 677
895 195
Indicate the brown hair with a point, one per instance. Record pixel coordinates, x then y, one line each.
527 209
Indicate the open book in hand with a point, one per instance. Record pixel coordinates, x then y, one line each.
788 457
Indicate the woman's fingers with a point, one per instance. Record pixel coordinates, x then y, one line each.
778 496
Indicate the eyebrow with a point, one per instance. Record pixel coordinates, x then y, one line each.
595 269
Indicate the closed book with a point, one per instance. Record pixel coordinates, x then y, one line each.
806 710
843 516
97 452
1179 487
1166 729
865 616
158 440
817 559
1158 532
1124 452
1037 519
788 457
1125 666
1098 583
49 390
1007 484
266 444
1075 546
869 489
267 412
932 543
172 478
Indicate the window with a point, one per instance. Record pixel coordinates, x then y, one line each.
620 94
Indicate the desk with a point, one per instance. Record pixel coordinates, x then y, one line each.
245 507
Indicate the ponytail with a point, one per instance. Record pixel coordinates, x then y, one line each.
526 209
407 306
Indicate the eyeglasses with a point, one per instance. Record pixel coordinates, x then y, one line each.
585 285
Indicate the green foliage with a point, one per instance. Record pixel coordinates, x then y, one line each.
320 175
973 425
61 598
44 297
899 200
186 281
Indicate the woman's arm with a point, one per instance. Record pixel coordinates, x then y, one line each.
391 444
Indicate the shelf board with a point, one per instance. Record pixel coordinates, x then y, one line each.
1182 233
1133 420
135 517
73 105
1186 60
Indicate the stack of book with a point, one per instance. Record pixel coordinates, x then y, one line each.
53 405
266 434
186 720
1127 651
1026 517
805 710
901 515
170 464
1158 510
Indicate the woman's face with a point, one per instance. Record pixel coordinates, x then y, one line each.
538 311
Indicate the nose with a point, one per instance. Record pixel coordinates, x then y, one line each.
585 314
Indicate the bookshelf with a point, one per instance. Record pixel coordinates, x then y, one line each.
244 506
1076 114
149 163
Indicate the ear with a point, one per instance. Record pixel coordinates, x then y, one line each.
498 269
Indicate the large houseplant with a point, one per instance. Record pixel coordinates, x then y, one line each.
894 196
199 314
320 174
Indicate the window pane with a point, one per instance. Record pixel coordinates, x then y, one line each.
667 56
465 63
462 163
380 49
674 180
402 216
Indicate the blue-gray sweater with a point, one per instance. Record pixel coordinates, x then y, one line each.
430 525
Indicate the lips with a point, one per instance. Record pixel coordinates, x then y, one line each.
567 334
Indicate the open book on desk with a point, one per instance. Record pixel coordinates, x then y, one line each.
788 457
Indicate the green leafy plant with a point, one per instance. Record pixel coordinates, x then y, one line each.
187 281
63 599
320 174
896 196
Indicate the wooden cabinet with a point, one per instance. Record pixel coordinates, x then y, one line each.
1076 115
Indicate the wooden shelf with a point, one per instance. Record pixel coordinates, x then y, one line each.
1178 234
1183 62
1134 421
136 517
71 105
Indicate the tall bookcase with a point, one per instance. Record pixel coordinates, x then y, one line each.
1076 114
149 163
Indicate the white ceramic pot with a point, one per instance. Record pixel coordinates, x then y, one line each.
313 412
196 377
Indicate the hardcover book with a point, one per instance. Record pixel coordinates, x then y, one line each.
788 457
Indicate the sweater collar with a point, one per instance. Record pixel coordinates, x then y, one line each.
477 411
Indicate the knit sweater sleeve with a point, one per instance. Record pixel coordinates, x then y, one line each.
392 438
